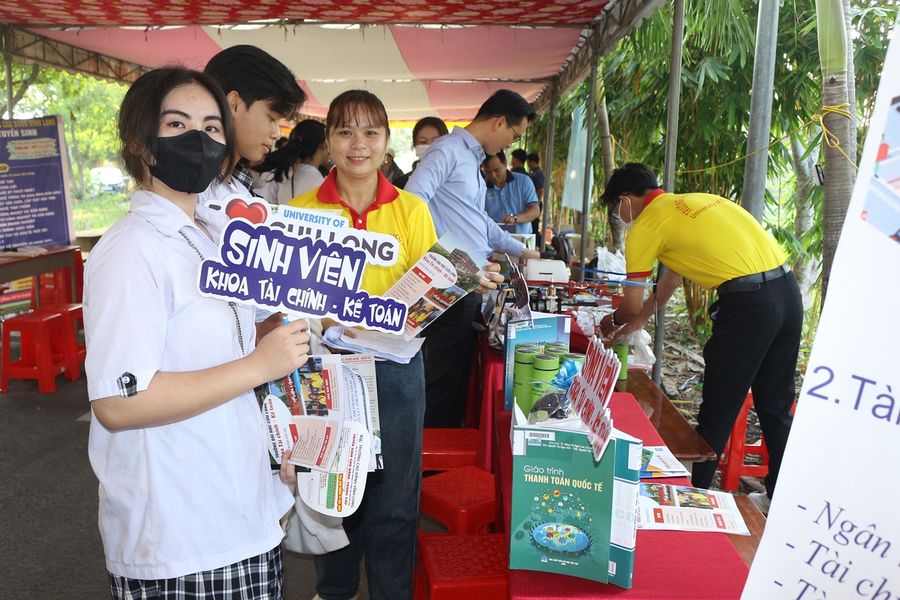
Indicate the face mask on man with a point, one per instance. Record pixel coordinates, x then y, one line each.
188 162
420 149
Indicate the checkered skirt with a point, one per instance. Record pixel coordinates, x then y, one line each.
256 578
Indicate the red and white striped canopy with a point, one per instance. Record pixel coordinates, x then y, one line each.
414 70
421 57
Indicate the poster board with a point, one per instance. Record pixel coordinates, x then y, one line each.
35 209
833 529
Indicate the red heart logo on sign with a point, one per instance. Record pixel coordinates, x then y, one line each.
255 212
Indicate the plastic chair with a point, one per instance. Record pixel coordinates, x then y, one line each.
55 287
733 463
452 567
42 355
75 352
447 448
464 499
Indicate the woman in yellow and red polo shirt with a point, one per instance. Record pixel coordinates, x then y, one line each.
384 527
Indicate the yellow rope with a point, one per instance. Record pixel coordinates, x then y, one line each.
829 137
757 151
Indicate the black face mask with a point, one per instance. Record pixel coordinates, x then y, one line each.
188 162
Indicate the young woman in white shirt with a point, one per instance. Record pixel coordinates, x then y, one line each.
188 504
294 167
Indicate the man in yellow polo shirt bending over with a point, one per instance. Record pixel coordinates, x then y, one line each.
757 318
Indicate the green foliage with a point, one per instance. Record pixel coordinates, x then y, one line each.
89 109
99 210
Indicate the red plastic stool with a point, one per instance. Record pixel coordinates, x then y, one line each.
42 350
452 567
447 448
75 352
463 499
733 462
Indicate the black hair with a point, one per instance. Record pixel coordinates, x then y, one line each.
499 156
139 115
534 157
304 141
508 104
257 75
345 109
435 122
519 154
630 178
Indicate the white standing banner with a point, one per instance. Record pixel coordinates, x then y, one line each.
834 526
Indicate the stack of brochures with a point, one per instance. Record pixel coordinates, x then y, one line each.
658 461
663 506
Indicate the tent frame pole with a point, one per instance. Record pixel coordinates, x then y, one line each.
588 165
548 169
673 102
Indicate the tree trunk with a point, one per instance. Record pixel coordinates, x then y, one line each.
805 267
838 173
851 86
23 87
77 168
616 230
833 40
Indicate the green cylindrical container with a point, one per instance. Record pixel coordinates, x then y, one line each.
544 369
559 353
556 346
522 376
579 358
621 351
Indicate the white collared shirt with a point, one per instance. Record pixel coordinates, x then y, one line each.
193 495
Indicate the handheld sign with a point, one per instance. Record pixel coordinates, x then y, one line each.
297 261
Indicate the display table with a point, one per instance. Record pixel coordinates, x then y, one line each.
675 431
57 257
682 439
668 564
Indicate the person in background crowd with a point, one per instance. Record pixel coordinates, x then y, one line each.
188 505
757 318
389 168
425 131
537 178
517 161
295 166
448 179
537 174
510 199
260 91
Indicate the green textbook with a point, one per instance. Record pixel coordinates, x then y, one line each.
561 504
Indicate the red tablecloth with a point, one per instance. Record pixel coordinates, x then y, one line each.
668 564
487 381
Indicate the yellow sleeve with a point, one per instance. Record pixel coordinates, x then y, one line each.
642 248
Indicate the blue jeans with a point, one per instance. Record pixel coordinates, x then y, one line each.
384 527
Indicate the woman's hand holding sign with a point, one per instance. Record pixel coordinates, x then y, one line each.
282 350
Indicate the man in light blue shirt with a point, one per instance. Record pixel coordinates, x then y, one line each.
449 179
511 200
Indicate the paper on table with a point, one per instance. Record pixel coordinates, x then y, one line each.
659 461
662 506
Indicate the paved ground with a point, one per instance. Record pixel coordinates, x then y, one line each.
49 543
